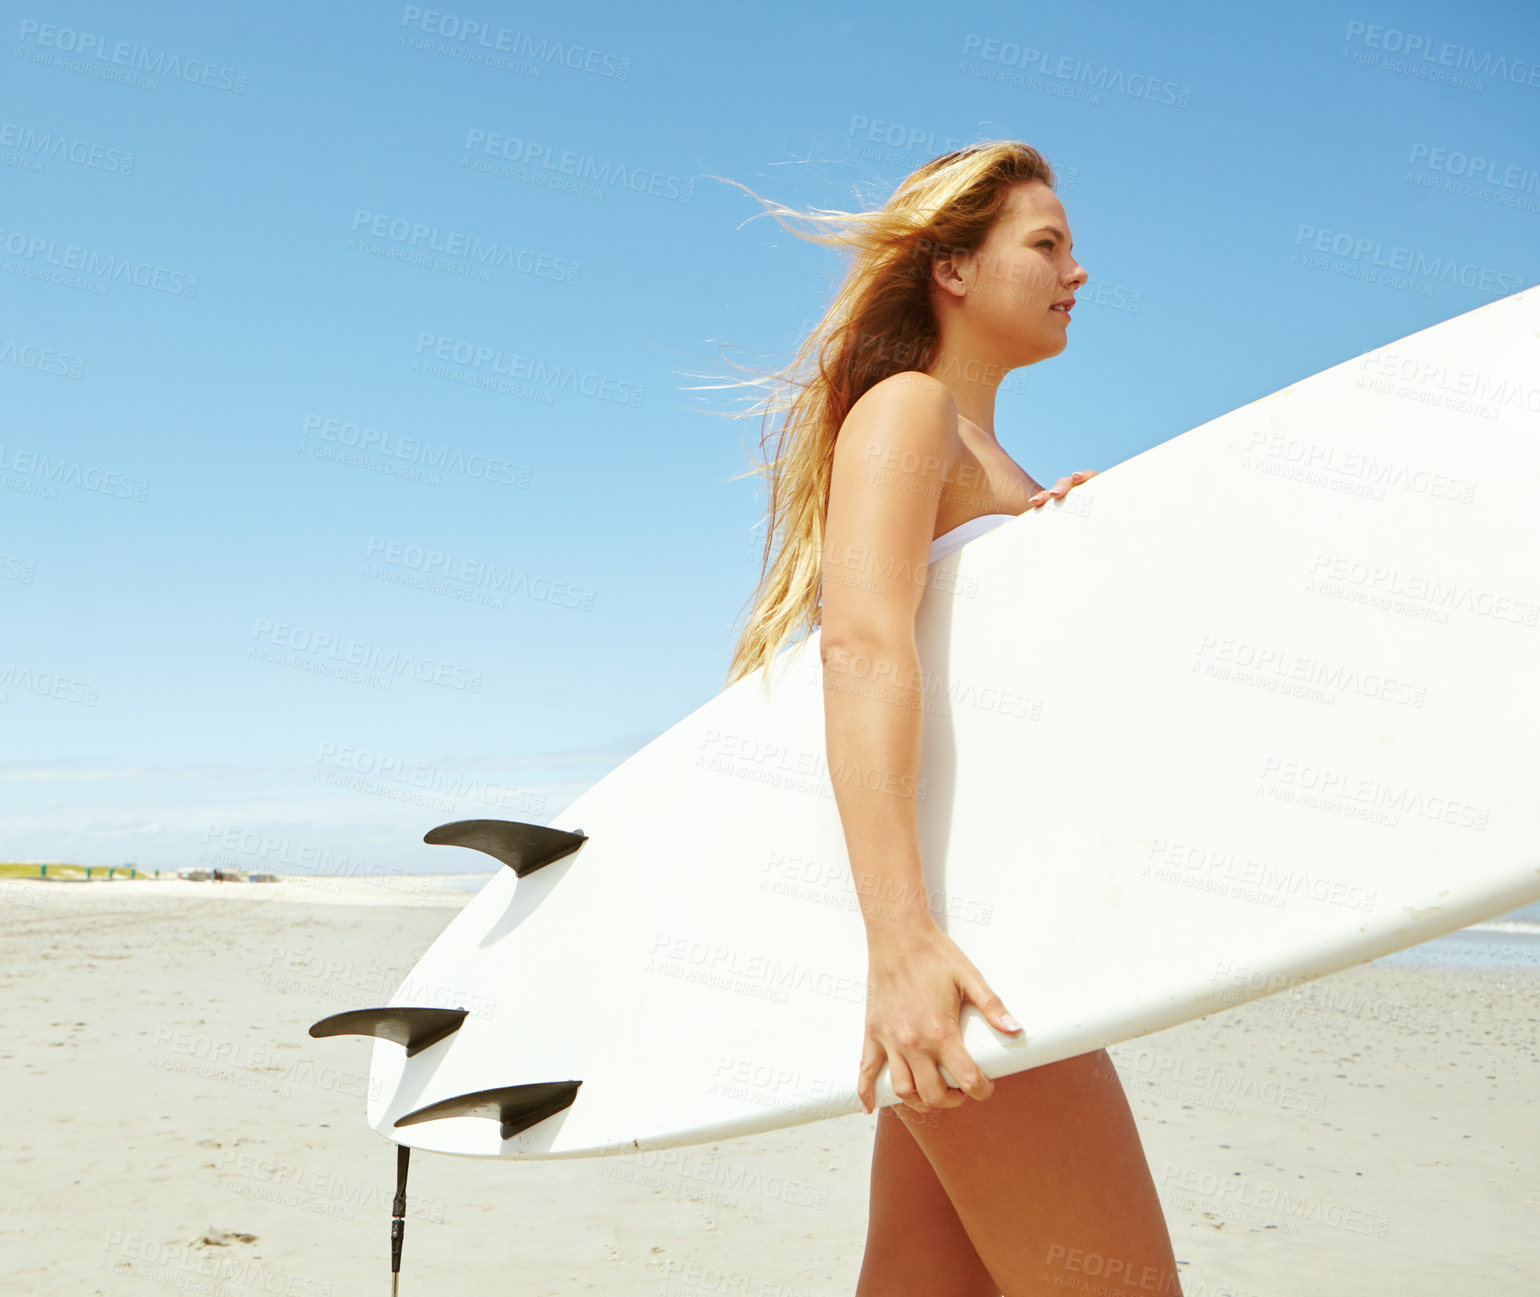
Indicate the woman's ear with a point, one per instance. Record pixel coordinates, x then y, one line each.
949 272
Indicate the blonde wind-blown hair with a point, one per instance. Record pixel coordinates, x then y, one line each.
881 322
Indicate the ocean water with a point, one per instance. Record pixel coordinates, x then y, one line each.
1510 940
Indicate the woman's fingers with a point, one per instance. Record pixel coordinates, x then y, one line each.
866 1078
970 1081
920 1086
1062 486
932 1085
903 1084
913 1021
902 1079
991 1006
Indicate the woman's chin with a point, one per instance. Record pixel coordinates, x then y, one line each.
1042 348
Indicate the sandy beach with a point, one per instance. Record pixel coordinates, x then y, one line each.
1375 1132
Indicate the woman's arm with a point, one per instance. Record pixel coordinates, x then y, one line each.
883 499
889 465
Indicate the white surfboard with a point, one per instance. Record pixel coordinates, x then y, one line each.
1254 706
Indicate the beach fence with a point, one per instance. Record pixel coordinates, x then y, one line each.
64 871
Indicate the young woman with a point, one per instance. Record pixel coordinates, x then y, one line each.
1036 1182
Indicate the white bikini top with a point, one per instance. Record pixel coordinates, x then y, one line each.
960 535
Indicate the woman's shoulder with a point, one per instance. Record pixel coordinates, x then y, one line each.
909 386
909 409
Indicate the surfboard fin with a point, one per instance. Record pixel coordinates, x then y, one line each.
415 1028
524 848
517 1107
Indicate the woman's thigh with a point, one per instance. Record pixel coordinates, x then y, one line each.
915 1244
1049 1181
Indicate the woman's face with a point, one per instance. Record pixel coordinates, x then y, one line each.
1011 284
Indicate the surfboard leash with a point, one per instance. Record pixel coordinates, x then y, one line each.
398 1217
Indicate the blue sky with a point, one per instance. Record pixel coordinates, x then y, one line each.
214 494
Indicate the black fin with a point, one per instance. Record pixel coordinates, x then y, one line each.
524 848
518 1107
414 1028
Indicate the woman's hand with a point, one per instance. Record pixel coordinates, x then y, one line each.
1061 488
917 982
